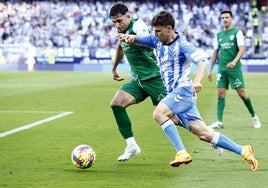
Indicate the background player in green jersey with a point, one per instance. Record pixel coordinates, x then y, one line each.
146 80
230 43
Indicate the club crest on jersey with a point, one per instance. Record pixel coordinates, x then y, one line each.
232 37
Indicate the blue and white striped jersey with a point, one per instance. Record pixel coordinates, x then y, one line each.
174 59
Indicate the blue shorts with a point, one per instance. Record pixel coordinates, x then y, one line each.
183 105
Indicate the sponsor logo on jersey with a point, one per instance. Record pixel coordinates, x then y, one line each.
232 37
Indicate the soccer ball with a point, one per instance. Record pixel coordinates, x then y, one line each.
83 156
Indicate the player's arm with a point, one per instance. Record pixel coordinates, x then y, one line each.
119 54
200 73
200 58
240 53
241 50
148 41
127 38
213 58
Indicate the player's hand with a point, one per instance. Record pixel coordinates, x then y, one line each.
117 77
210 77
197 87
120 36
230 65
130 38
126 38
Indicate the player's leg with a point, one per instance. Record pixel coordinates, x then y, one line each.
199 128
222 85
237 83
221 105
180 100
161 116
246 151
156 91
121 100
247 101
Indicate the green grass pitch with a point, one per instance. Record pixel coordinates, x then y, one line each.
40 156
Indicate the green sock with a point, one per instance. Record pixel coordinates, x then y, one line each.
123 121
249 106
220 108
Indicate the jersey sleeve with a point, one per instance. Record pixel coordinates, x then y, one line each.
150 41
240 38
199 55
194 54
140 28
215 43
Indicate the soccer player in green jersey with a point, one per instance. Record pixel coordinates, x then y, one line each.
146 80
230 46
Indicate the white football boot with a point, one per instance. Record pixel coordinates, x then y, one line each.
219 150
256 122
216 125
130 150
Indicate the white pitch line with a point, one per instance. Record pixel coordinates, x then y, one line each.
32 112
34 124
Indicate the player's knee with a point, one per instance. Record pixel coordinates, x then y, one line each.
158 115
155 115
113 103
118 101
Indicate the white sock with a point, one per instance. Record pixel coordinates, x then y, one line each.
131 141
215 138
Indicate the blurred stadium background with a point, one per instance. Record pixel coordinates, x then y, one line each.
77 35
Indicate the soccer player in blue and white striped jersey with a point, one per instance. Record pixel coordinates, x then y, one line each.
175 55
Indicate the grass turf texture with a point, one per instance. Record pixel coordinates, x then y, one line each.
40 156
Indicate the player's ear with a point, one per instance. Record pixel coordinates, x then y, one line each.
169 27
128 15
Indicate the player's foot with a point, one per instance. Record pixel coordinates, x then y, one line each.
131 150
216 125
219 150
248 156
256 122
182 157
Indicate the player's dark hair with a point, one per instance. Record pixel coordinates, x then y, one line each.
227 12
118 8
163 18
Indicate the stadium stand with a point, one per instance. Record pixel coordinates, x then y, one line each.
56 26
